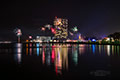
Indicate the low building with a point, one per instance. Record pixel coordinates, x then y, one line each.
43 38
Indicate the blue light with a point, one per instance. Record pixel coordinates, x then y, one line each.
37 51
37 45
93 40
93 48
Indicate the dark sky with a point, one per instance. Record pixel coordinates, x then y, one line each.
93 17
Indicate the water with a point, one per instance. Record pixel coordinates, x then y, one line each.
60 62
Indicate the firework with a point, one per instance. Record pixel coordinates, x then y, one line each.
71 33
53 30
75 29
18 33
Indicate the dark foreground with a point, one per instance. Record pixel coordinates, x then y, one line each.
60 62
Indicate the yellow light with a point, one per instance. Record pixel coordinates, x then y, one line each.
26 40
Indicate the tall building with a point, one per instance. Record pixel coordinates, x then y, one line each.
61 27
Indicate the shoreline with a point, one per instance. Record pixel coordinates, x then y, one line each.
34 44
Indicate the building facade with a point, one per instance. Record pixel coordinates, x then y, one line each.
61 27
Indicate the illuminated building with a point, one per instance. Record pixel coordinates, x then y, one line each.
43 38
61 26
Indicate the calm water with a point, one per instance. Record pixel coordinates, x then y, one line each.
60 62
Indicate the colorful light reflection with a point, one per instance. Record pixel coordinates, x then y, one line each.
18 53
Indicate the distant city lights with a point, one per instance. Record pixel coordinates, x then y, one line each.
93 40
30 37
43 29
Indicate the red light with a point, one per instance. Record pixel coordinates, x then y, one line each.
53 30
55 16
43 29
53 54
43 57
30 37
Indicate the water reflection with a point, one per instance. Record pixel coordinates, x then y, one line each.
18 53
26 51
66 61
58 60
99 49
48 59
65 57
112 49
53 54
43 56
37 49
108 50
30 51
75 54
81 49
61 58
118 50
61 55
93 48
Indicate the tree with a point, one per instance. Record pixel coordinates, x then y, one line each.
116 36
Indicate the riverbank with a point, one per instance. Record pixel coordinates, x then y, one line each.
34 44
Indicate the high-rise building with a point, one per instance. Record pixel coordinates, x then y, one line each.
61 27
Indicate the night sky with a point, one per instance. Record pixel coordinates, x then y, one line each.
94 18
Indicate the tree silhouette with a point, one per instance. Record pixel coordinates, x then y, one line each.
115 36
